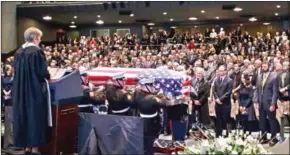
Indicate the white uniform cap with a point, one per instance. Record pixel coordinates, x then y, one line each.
118 76
147 81
83 71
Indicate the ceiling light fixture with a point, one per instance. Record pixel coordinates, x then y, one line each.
241 24
237 9
164 13
100 22
202 11
192 18
217 17
253 19
73 26
278 6
171 19
99 16
173 27
131 15
151 24
75 17
195 26
276 14
266 23
46 18
72 22
120 21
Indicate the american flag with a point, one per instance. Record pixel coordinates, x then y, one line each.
99 76
165 79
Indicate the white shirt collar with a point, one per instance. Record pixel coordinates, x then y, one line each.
222 78
28 44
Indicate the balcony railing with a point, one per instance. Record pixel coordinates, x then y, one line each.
54 3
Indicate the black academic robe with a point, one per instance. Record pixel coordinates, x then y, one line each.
30 109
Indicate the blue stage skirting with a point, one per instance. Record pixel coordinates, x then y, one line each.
109 134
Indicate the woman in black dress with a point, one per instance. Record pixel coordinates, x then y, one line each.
246 110
7 81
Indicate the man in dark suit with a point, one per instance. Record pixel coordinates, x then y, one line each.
266 96
192 57
222 94
284 97
236 76
257 71
238 33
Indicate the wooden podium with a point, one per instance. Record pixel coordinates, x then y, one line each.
66 93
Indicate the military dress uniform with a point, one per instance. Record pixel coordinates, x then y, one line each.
88 102
149 106
119 103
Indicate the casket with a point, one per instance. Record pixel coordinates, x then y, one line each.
99 76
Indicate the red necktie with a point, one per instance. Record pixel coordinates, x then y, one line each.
235 81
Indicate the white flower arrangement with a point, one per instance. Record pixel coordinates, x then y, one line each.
234 144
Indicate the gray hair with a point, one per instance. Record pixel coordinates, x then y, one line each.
31 33
200 70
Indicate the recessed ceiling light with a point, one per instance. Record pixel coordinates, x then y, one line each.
171 19
99 16
151 24
173 27
120 21
100 22
46 18
217 17
192 18
202 11
253 19
164 13
276 14
237 9
241 24
278 6
131 15
73 26
75 17
266 23
72 22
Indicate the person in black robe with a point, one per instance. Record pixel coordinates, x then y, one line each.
30 107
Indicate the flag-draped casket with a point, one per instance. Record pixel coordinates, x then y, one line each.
168 80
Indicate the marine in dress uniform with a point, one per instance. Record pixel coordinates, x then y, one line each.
148 106
88 101
119 100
